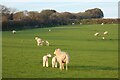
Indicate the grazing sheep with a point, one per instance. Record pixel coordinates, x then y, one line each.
14 32
96 34
102 23
49 30
54 62
80 23
47 43
45 60
103 37
105 33
62 58
39 41
73 23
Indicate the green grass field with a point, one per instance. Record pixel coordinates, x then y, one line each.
90 56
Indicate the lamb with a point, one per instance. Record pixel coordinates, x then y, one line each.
45 60
102 23
105 33
96 34
39 41
62 58
47 43
54 62
49 30
73 23
80 23
103 37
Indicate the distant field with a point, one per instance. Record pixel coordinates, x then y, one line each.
90 56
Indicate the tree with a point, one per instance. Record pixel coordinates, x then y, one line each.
95 13
46 18
68 15
45 15
6 11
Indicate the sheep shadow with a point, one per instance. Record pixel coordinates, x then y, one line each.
92 68
101 39
57 45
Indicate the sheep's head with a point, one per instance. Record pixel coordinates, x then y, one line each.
49 55
36 38
57 51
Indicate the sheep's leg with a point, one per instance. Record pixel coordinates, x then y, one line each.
38 43
60 65
66 67
43 63
56 64
47 63
63 66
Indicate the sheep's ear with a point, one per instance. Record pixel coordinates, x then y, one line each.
58 49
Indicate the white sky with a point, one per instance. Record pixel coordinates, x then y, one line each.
109 7
59 0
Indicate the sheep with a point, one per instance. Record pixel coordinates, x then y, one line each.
54 62
39 41
14 32
102 23
49 30
62 58
96 34
103 37
47 43
73 23
105 33
45 60
80 23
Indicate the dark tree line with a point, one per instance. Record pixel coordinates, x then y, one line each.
46 18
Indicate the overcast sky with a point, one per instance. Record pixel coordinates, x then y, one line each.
109 7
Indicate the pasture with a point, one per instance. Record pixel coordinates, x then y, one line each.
90 56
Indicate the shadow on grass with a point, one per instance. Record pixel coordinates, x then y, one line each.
92 68
58 45
102 50
101 39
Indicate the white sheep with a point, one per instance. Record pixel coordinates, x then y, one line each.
80 23
103 37
47 43
49 30
105 33
14 32
54 62
96 34
62 58
102 23
39 41
45 60
73 23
